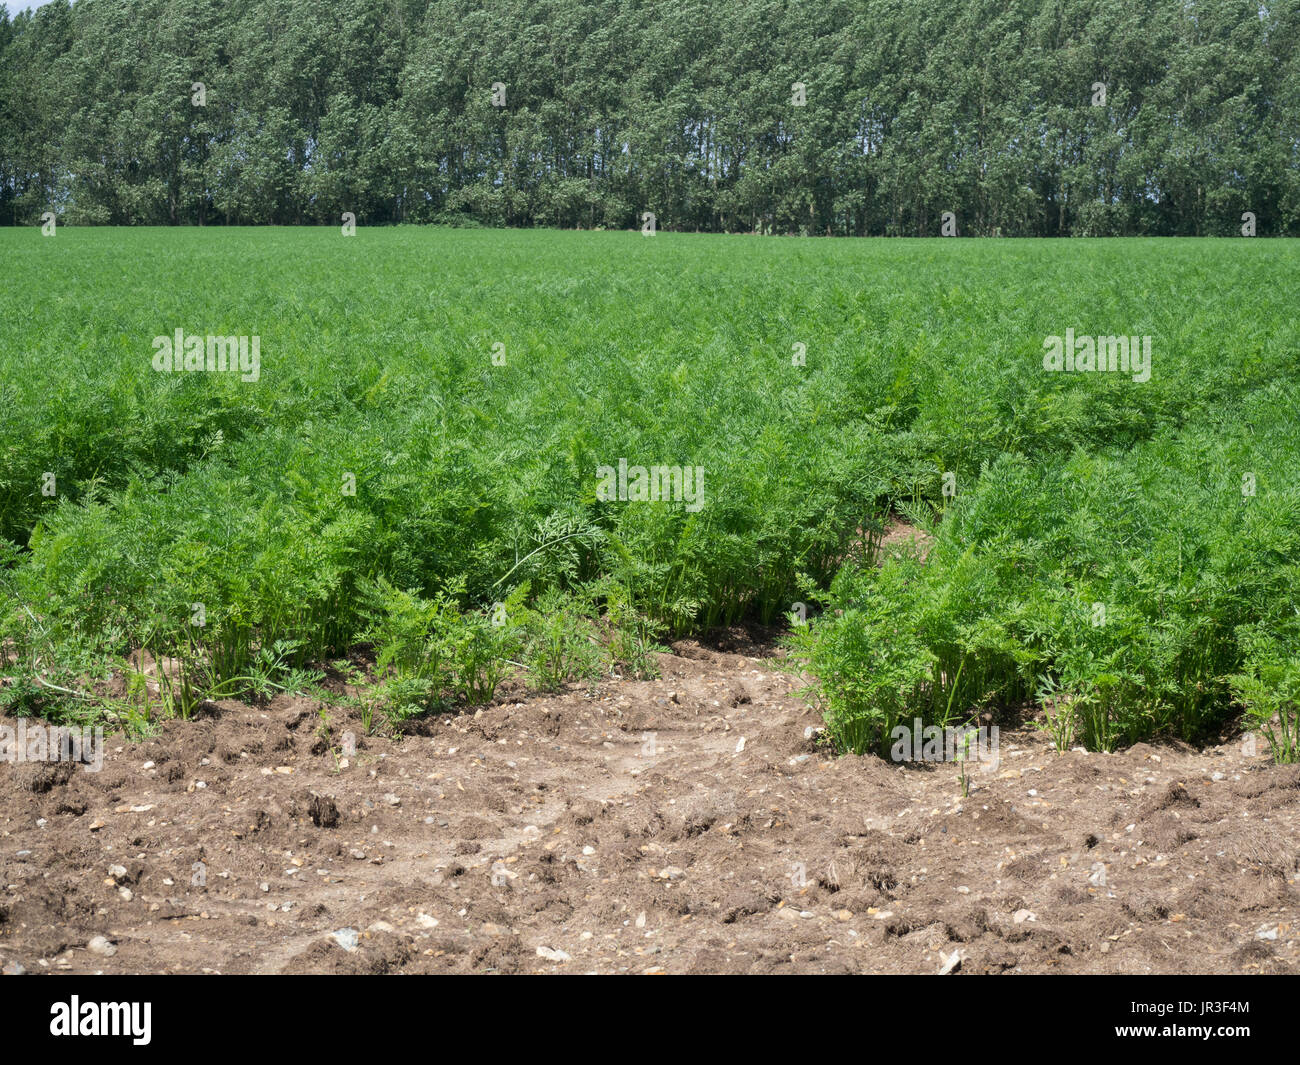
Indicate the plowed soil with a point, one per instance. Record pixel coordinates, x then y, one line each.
692 823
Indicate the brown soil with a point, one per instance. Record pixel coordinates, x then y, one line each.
625 829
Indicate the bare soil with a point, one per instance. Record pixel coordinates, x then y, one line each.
685 824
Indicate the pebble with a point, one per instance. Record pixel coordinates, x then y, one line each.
101 946
346 938
552 955
14 969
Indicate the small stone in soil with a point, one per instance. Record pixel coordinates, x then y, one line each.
101 946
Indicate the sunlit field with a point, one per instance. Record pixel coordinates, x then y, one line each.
479 453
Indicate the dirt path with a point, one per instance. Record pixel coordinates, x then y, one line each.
628 829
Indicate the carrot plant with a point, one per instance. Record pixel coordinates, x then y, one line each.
1269 689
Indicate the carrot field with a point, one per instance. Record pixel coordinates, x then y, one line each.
231 458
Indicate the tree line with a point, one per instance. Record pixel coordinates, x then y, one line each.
824 117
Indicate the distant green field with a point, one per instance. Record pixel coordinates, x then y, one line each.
438 417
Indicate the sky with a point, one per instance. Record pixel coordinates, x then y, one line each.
14 6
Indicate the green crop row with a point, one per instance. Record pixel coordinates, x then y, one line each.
1129 594
433 409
